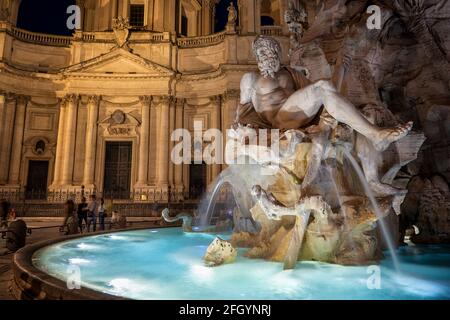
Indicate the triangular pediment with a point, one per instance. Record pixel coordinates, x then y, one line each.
119 62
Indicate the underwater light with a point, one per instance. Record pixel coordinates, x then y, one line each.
79 261
202 273
84 246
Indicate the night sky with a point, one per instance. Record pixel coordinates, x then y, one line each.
49 16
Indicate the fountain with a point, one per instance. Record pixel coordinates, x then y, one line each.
296 214
326 199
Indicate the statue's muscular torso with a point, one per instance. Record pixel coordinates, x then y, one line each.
268 95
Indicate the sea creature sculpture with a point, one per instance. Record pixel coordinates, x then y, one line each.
187 219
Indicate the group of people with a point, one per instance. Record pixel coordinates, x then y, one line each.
86 212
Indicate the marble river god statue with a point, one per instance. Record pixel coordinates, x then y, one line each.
316 204
283 98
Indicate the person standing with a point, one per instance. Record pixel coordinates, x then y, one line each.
92 210
70 223
101 214
82 214
4 211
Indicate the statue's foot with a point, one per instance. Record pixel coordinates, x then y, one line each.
387 136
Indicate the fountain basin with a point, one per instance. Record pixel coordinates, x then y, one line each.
167 264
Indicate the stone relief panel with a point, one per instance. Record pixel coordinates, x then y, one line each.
40 56
42 121
120 124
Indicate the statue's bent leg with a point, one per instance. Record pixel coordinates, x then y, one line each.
299 109
344 111
304 104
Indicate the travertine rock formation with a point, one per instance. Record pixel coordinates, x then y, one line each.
427 206
219 252
402 67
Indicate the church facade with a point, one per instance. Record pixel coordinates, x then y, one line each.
94 111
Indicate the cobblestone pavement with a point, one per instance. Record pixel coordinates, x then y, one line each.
36 236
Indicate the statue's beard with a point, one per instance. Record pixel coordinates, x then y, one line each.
269 67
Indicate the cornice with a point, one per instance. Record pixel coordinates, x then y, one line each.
91 76
210 75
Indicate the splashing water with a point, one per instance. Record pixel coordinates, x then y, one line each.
387 236
240 178
206 218
339 199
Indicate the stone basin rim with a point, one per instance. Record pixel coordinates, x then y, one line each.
29 282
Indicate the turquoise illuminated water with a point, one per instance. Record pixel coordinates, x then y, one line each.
167 264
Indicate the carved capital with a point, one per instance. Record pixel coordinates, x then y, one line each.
217 100
22 99
93 100
145 100
71 98
179 102
4 96
231 94
10 96
161 100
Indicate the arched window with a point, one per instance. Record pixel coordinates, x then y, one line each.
267 21
45 16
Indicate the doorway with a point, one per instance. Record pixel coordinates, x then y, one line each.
197 180
37 180
117 178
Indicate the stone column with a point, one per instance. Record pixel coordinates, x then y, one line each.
144 141
6 129
216 102
2 111
91 143
169 15
178 174
229 107
207 13
158 16
59 146
69 139
283 7
249 16
17 144
163 142
3 138
171 143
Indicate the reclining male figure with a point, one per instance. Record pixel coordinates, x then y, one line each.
284 98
